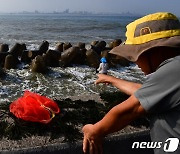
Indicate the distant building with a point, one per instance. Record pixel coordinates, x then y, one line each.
66 11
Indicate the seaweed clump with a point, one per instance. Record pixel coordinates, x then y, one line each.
67 125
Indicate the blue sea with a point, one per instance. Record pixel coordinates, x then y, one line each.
32 29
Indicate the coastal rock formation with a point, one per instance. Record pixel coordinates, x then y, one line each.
93 43
100 46
66 46
65 54
33 53
81 45
80 57
4 48
119 60
93 59
115 43
68 55
10 62
43 47
17 49
60 47
2 58
2 73
52 58
38 65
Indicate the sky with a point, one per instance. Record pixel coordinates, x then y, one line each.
97 6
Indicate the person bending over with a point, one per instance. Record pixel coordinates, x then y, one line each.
153 43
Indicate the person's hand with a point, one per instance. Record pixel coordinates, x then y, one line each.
92 142
103 78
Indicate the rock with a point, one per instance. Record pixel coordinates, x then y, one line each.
52 58
115 43
2 58
80 57
68 55
33 53
4 48
81 45
23 46
66 46
25 58
16 50
99 46
38 64
10 62
93 58
119 60
59 47
93 43
43 47
2 73
105 54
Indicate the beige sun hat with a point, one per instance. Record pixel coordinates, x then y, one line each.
153 30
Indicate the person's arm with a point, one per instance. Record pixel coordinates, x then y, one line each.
125 86
116 119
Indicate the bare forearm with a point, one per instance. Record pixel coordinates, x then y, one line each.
125 86
119 117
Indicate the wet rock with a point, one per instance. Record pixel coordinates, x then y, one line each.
10 62
93 43
23 46
59 47
105 54
99 46
93 59
38 65
52 58
2 73
43 47
115 43
68 55
4 48
119 60
16 50
33 53
25 58
81 45
80 57
66 46
2 58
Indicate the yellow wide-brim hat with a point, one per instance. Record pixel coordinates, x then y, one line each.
160 29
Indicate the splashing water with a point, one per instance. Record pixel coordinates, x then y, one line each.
61 82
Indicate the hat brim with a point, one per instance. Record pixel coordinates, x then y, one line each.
132 52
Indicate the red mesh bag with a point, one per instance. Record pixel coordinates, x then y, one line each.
34 107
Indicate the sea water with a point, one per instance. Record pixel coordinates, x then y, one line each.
58 83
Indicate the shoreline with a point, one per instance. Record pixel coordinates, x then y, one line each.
65 127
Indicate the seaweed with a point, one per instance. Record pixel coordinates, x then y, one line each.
74 114
67 124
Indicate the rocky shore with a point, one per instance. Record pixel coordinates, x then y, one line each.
64 54
75 111
65 127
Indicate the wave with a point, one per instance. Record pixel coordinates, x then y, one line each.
59 82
